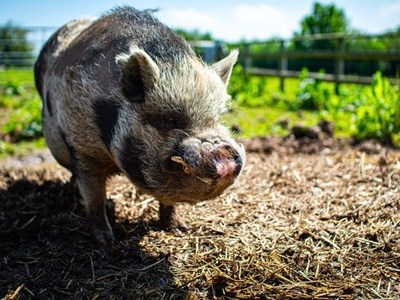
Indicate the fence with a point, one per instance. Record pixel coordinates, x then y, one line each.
36 37
339 57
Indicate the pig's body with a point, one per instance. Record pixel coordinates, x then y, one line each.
123 93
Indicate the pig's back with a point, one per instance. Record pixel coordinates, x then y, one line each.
114 33
89 47
56 44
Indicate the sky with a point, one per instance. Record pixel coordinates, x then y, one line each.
228 20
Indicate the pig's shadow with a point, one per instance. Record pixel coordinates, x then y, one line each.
44 245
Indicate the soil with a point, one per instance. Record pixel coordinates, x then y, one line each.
310 218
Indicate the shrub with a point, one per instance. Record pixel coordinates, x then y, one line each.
378 116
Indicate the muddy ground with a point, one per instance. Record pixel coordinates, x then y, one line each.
309 219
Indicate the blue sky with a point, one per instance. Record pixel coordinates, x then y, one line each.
228 20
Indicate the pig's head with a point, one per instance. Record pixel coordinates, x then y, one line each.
172 143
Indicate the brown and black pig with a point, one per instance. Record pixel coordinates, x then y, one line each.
124 93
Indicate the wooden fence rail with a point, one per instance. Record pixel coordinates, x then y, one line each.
339 56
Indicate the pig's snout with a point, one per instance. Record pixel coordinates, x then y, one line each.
224 158
210 161
227 167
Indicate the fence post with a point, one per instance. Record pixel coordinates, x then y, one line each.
339 62
247 57
283 65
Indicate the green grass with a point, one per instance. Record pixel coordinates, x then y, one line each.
267 121
21 148
21 76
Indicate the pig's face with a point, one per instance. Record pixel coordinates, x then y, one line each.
202 166
176 148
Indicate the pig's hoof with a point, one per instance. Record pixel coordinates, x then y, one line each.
176 222
103 236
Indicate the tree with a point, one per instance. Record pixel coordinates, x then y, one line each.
324 19
194 35
14 44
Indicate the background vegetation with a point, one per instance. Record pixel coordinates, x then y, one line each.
363 112
259 108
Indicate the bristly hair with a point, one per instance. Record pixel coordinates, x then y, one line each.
152 36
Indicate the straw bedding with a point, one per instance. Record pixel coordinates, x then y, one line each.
300 224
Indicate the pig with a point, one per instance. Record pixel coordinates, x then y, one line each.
123 93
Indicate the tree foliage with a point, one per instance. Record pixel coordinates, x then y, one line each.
14 38
194 35
324 19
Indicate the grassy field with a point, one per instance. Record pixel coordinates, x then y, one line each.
274 121
362 111
21 76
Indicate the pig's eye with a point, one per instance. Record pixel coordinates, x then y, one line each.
171 123
165 123
174 123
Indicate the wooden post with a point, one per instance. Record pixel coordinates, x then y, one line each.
339 63
283 65
247 57
246 60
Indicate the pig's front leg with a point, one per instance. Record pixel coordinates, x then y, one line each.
93 191
169 218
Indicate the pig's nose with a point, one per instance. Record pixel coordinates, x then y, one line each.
237 158
228 162
210 145
239 163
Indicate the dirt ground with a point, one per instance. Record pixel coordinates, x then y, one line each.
309 219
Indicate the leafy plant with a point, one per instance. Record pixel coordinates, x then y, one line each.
21 112
364 112
312 93
379 115
249 91
25 122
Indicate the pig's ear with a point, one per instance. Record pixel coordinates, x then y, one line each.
138 74
224 67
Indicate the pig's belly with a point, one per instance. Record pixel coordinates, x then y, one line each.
56 142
